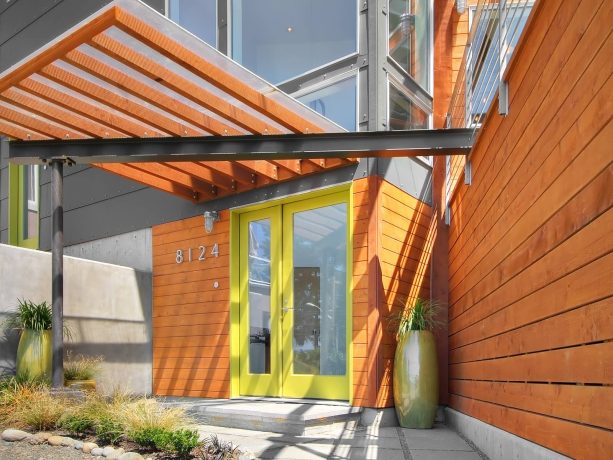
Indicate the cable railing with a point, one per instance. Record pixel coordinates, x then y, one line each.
494 31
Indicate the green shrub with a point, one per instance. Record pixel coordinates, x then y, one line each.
76 423
146 437
108 430
181 442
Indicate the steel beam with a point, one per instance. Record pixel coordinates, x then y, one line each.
250 147
57 272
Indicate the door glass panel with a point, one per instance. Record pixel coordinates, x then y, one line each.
281 39
259 297
319 286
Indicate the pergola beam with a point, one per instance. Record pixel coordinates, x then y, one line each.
250 147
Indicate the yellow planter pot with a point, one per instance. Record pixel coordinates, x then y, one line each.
416 380
34 354
87 385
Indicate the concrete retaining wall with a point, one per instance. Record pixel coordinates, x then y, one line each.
497 444
107 307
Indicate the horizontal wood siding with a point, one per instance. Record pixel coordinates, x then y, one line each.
191 318
404 246
530 261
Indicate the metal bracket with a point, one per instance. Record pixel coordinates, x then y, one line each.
468 172
503 98
447 215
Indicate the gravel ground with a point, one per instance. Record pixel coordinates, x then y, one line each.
26 451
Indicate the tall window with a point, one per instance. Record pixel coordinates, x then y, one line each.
281 39
308 47
197 16
409 38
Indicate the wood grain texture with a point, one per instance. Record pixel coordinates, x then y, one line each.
191 318
530 244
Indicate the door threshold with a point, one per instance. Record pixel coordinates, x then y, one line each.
323 402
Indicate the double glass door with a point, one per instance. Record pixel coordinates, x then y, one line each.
293 300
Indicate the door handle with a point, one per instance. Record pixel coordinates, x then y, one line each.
286 309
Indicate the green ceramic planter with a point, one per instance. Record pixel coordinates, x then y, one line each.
34 354
416 380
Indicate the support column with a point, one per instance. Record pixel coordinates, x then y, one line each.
57 271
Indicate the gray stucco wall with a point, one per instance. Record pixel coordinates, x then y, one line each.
107 308
132 249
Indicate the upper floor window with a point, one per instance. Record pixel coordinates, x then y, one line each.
337 101
409 38
197 16
282 39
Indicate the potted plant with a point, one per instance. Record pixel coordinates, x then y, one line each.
34 351
415 377
79 371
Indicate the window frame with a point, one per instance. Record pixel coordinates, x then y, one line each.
17 203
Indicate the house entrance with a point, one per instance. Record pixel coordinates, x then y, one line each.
293 299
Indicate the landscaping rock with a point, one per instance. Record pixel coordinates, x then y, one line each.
39 438
96 452
131 456
88 447
110 451
116 454
55 440
78 445
13 435
61 441
44 435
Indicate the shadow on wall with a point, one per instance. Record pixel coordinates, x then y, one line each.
107 308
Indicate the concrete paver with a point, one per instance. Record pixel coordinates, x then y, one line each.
439 437
350 442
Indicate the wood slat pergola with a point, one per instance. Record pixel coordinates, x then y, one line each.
130 92
129 72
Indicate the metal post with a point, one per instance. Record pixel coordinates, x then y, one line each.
57 271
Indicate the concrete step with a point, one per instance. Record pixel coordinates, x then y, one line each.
293 417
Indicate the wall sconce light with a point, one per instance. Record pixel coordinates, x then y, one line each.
210 217
460 6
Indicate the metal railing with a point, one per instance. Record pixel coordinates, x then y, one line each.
494 31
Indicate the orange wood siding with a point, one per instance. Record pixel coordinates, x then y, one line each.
530 263
393 237
191 318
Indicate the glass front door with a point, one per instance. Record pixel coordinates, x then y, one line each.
293 300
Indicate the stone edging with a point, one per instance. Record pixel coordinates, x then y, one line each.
43 437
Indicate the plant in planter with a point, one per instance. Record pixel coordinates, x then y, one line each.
80 370
415 377
34 349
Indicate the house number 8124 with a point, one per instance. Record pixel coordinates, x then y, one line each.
199 254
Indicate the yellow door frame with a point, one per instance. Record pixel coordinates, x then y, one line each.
340 193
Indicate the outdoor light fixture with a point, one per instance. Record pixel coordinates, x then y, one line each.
210 217
460 6
407 23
